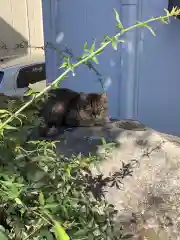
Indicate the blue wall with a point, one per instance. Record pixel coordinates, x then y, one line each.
142 77
159 72
71 23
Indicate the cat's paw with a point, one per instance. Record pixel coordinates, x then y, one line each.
53 131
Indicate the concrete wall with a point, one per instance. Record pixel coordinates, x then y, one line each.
20 20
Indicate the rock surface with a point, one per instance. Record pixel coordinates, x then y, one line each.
148 201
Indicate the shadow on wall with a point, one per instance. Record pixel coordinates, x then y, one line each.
9 38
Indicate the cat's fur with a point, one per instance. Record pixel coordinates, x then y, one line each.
67 107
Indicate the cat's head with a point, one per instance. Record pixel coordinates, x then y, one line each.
97 105
98 98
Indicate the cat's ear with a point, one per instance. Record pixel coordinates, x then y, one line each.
83 96
104 95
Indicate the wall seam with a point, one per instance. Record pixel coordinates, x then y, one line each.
138 60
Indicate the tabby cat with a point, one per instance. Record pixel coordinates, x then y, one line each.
65 107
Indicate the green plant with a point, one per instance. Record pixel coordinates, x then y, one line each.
42 192
44 195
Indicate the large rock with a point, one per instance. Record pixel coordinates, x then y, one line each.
148 201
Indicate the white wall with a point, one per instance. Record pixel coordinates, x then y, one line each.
158 96
20 21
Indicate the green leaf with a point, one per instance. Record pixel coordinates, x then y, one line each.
18 201
81 233
92 47
41 199
51 206
95 60
9 127
167 12
64 65
60 232
45 234
3 111
164 21
3 236
114 45
151 30
119 25
30 92
121 41
117 38
85 46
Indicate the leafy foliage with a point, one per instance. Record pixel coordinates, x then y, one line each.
44 195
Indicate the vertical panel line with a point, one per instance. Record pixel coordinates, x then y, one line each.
138 60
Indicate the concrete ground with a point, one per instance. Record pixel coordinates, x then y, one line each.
148 201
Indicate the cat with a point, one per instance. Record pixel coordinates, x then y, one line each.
65 107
